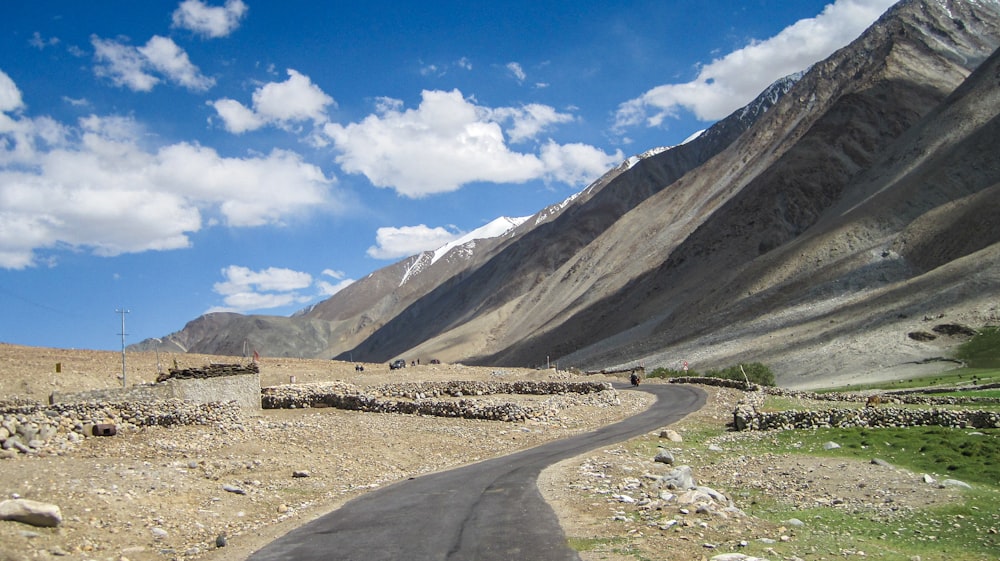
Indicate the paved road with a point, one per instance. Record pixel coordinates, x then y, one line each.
491 510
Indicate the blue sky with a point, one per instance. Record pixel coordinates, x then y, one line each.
175 158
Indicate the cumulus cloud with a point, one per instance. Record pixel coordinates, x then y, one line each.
281 104
393 243
732 81
10 95
209 21
123 64
246 290
449 141
529 121
327 288
166 57
139 68
93 187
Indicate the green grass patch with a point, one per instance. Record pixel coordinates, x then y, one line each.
983 350
966 530
591 544
960 531
943 452
992 394
963 379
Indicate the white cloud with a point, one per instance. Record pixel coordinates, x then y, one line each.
516 71
208 21
279 103
245 290
273 279
393 243
236 116
92 187
10 95
123 64
446 142
529 121
732 81
135 67
40 44
165 56
327 289
576 164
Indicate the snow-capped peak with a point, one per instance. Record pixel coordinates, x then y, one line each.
494 229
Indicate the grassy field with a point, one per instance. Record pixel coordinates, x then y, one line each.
961 379
966 530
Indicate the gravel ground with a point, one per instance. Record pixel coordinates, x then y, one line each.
588 493
180 493
175 493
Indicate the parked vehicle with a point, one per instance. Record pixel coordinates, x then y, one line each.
398 363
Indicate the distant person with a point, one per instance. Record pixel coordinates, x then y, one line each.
634 378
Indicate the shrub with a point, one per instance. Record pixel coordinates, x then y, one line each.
756 372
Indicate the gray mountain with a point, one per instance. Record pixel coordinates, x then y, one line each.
551 236
811 231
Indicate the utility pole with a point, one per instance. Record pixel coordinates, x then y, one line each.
122 312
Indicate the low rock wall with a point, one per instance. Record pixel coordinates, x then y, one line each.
31 428
865 417
747 414
430 398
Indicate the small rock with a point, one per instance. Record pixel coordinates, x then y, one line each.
671 435
830 445
234 489
31 512
955 483
220 540
664 456
159 533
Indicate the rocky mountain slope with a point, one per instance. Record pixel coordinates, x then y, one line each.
811 231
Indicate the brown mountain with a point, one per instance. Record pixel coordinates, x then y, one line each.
811 231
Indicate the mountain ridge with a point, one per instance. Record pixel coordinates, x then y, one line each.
793 230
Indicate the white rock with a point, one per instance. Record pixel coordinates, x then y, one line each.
31 512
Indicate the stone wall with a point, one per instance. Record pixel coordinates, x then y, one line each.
865 417
431 398
243 388
748 415
29 429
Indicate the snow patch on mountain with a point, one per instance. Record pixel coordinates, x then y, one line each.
494 229
552 210
464 245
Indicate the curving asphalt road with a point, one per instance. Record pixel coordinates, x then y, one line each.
491 510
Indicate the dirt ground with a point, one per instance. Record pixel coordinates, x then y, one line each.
221 493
